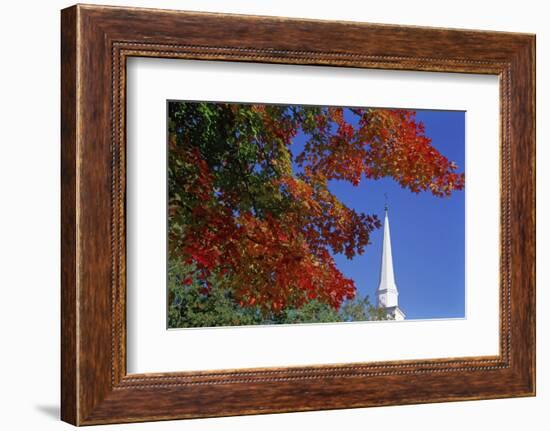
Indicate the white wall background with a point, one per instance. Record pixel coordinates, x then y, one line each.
29 214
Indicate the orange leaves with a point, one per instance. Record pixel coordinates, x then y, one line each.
277 123
400 149
385 143
325 221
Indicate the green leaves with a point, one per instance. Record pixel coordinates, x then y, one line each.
192 306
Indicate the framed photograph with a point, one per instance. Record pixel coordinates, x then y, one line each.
264 215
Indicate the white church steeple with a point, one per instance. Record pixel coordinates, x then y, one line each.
387 294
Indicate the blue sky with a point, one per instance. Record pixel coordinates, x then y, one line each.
427 232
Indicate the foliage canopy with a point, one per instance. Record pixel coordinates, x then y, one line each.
253 221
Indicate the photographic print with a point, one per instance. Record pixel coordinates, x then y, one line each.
289 214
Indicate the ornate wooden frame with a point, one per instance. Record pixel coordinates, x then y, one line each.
95 43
